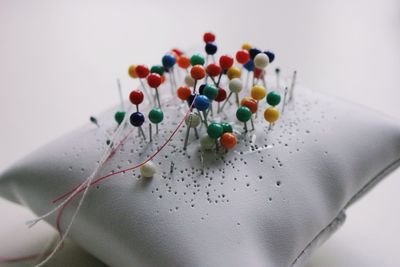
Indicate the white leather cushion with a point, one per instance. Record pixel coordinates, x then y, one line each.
269 202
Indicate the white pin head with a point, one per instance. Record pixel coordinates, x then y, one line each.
192 120
189 81
148 169
207 143
235 85
261 61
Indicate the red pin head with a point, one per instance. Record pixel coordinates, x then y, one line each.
242 56
225 62
209 37
136 97
258 73
183 62
142 71
184 92
197 72
251 103
177 52
221 96
154 80
213 70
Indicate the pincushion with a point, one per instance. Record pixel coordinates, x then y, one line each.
269 201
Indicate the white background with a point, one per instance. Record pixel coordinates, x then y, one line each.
59 61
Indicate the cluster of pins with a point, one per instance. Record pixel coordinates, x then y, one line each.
202 88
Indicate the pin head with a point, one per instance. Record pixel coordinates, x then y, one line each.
211 48
247 46
183 62
189 81
273 98
261 61
132 71
234 72
148 169
249 66
221 95
197 59
258 73
197 72
154 80
137 119
243 114
156 115
119 116
201 102
235 85
213 70
271 56
157 69
177 52
254 52
136 97
207 143
251 103
215 130
168 61
271 114
210 91
242 56
192 120
209 37
227 127
225 62
201 88
142 71
184 92
258 92
190 99
228 140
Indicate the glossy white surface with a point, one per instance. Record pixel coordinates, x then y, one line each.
59 61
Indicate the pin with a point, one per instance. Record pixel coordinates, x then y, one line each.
278 78
227 127
168 62
121 100
141 72
215 131
207 143
242 56
171 167
233 72
213 70
235 86
148 169
183 93
137 120
136 97
155 116
271 56
197 72
220 97
197 59
292 85
258 92
247 46
154 81
189 81
271 115
157 69
225 61
254 52
210 91
211 49
192 121
261 61
208 37
202 103
183 62
252 104
249 66
243 114
228 140
94 121
132 71
284 99
119 116
177 52
273 98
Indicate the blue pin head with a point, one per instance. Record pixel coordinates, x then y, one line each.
211 48
270 55
137 119
168 61
201 102
249 66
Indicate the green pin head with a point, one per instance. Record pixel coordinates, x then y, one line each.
215 130
243 114
210 91
197 59
156 115
227 127
157 69
273 98
119 116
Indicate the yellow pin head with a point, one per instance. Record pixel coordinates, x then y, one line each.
271 114
132 71
247 46
234 72
258 92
